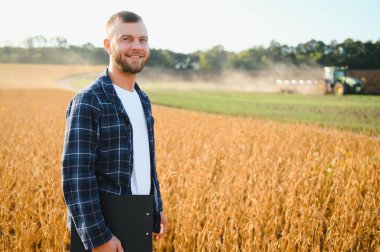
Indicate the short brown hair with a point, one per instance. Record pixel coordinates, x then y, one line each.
125 17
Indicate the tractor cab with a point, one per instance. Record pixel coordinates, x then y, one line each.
338 82
332 74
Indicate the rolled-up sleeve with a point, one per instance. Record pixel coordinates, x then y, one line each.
79 182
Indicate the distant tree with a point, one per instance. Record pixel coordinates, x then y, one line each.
251 59
36 41
213 59
316 50
59 42
161 58
88 46
275 51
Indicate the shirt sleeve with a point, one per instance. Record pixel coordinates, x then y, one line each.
79 182
157 190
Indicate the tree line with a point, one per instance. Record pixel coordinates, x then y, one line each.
351 53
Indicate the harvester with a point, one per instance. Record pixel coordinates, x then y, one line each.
339 83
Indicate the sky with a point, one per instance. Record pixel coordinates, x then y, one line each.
187 26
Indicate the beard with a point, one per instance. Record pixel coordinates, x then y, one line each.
124 65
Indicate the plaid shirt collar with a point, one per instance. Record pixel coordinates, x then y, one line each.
111 95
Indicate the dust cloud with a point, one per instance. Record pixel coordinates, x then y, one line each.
277 78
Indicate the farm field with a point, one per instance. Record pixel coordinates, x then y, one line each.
256 182
228 183
40 76
358 113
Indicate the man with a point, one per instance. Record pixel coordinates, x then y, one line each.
109 140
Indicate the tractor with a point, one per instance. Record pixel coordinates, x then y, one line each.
339 83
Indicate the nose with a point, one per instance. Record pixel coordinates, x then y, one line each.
136 45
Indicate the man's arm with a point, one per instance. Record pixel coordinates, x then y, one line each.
78 170
164 221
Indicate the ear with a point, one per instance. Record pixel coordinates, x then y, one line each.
106 44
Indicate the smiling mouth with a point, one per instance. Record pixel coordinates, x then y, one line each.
135 56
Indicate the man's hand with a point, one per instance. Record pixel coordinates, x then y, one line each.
113 245
164 226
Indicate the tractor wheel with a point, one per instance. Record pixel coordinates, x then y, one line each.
340 89
357 89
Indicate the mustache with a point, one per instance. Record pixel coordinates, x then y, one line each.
136 53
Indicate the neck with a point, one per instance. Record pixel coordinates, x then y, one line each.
122 79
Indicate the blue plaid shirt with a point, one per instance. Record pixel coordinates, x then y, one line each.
98 156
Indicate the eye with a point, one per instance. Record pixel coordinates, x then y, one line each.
144 40
127 39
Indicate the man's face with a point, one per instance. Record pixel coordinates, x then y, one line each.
127 45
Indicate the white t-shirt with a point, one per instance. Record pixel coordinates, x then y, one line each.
140 180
